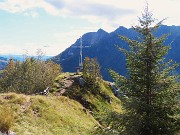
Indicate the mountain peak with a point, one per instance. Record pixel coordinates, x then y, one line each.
120 29
103 48
101 31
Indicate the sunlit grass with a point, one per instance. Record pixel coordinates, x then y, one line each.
41 115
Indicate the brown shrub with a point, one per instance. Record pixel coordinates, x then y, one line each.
6 119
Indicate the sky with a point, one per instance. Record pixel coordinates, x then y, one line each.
54 25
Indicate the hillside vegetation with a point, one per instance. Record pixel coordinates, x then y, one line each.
78 112
40 115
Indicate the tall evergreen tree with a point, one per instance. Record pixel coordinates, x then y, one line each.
150 92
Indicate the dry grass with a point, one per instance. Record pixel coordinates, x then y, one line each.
41 115
6 119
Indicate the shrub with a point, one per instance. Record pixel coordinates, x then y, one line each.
91 70
30 76
6 119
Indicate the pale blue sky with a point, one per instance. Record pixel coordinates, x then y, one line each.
53 25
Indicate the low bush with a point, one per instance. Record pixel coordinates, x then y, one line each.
6 119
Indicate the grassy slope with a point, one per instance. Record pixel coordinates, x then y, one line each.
40 115
97 99
94 99
56 115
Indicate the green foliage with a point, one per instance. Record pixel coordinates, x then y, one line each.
150 92
91 70
101 102
30 76
110 121
6 119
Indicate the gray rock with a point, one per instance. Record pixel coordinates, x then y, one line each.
81 81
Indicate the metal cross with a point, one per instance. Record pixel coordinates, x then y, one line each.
81 54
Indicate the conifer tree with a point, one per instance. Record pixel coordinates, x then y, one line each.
149 93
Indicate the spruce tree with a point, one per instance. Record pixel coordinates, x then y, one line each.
149 93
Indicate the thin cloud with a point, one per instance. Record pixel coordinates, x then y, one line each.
32 14
100 10
21 6
67 8
56 3
105 14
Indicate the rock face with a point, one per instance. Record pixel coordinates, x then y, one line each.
80 81
65 83
103 47
115 89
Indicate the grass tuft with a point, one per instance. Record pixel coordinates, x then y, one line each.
6 119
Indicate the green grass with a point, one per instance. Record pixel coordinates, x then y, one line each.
40 115
62 115
95 99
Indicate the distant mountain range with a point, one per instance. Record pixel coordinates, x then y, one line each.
21 57
3 62
4 59
103 48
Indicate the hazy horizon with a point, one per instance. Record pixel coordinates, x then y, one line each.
53 25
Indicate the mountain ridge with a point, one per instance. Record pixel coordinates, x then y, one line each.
103 47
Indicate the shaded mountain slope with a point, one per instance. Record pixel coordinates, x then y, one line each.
3 62
103 48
